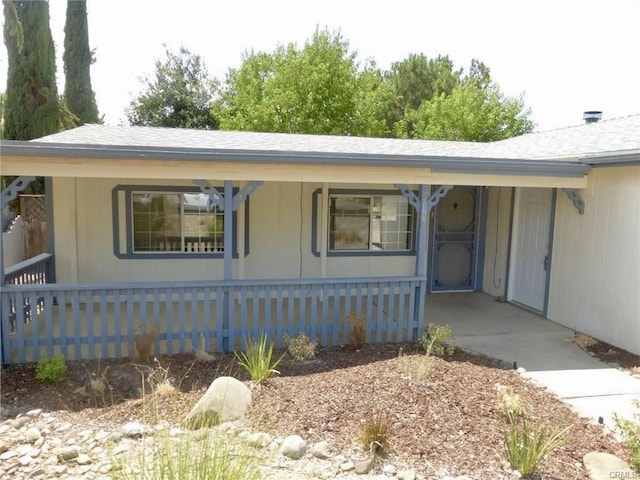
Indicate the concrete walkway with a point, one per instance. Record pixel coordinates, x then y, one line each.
543 348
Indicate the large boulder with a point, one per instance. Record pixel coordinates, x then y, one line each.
226 399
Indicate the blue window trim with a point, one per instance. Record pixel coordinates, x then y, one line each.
358 253
130 254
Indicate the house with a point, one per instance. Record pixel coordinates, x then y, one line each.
196 239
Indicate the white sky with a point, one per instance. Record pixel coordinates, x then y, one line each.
566 56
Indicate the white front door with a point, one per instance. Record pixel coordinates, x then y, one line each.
530 247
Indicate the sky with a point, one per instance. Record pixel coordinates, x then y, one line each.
565 56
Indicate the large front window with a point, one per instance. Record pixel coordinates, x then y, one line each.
370 223
176 222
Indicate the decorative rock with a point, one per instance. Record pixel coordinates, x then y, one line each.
408 474
18 423
226 399
389 469
347 466
26 460
602 466
8 454
66 453
135 430
4 446
363 466
32 434
34 413
83 459
293 447
259 439
320 450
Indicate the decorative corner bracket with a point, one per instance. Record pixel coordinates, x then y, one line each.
411 197
578 202
11 193
438 195
216 198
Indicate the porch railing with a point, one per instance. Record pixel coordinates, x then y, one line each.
120 320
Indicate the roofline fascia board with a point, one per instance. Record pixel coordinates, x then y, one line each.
613 159
452 164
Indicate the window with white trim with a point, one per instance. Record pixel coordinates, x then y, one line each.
370 223
175 223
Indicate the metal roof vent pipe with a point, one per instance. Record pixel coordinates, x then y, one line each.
592 116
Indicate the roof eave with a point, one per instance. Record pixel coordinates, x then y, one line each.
612 159
438 164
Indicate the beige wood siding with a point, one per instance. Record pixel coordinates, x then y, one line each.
280 216
595 275
497 241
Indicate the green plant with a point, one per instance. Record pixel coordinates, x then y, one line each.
374 432
258 360
630 429
51 370
511 403
527 447
189 457
300 346
357 331
415 368
438 340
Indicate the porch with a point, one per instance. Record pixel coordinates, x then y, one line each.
87 321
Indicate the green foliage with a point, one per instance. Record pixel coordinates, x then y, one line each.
528 446
179 95
438 340
78 94
51 370
630 429
374 433
32 108
258 360
189 457
300 346
317 89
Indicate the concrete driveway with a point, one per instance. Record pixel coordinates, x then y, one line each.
543 348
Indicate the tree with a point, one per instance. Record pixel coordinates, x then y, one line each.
78 95
32 108
180 94
473 113
317 89
417 79
475 110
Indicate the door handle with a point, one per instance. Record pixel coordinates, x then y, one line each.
546 263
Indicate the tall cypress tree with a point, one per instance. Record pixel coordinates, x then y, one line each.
78 95
32 108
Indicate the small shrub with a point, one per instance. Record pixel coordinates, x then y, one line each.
202 457
510 403
416 368
357 331
374 433
438 340
300 346
258 360
630 430
51 370
527 447
144 343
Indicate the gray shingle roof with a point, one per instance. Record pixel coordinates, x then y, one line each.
614 135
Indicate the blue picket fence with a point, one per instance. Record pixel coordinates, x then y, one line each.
88 321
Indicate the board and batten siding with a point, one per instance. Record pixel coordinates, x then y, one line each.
595 273
497 241
280 229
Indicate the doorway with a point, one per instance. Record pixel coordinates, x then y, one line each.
530 260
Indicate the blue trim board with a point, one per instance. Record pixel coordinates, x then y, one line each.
552 222
482 237
129 254
357 253
509 243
